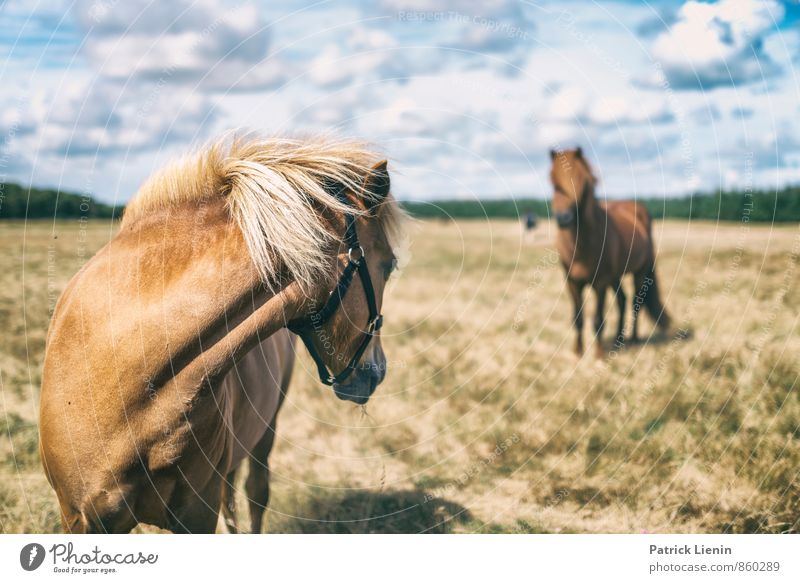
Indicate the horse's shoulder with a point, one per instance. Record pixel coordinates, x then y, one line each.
627 212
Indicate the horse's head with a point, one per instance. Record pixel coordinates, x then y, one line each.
343 333
573 182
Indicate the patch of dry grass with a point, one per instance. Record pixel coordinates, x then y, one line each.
486 421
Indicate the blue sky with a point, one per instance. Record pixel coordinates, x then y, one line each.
465 98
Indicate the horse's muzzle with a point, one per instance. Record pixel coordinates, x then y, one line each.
361 386
566 219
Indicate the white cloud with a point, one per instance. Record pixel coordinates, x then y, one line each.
469 34
85 118
572 104
618 110
366 51
713 44
464 97
211 43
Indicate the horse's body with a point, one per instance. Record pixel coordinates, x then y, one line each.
142 417
599 243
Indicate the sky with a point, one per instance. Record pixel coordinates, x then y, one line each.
464 98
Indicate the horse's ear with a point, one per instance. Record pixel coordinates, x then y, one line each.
377 183
553 154
579 152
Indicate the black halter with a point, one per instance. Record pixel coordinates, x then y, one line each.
305 327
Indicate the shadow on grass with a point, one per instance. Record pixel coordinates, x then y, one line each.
392 512
657 338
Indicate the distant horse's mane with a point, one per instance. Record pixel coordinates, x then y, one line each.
588 168
272 186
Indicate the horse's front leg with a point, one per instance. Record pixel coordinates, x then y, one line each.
599 321
257 485
621 299
638 300
229 503
576 293
196 511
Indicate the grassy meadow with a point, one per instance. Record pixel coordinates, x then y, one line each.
487 422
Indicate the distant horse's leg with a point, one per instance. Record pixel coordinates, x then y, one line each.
229 502
576 292
638 300
621 299
257 485
599 321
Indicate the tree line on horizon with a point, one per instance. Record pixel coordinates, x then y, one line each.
20 202
780 206
783 205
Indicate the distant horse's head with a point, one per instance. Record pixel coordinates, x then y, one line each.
573 182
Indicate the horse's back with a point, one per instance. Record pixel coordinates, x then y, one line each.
632 224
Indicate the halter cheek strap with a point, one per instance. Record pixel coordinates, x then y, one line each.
306 327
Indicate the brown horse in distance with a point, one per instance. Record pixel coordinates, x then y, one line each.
599 243
142 415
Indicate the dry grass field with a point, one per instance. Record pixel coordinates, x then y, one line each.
487 422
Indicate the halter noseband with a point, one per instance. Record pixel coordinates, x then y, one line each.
305 327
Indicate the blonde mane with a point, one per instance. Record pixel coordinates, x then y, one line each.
271 186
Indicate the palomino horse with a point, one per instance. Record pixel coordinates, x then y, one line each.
215 256
598 243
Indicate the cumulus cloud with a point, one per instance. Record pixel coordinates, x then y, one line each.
210 43
463 96
652 26
339 110
706 114
403 39
774 147
570 103
98 119
741 112
469 34
364 52
153 68
716 44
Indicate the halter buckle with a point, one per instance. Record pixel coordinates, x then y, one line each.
375 325
359 250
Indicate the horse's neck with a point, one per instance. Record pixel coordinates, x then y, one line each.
209 297
583 242
592 218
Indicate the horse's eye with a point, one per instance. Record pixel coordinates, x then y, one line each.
388 268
